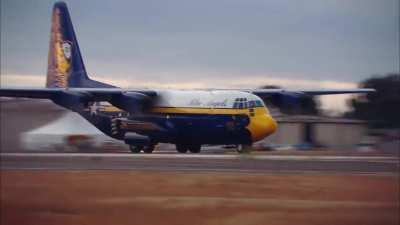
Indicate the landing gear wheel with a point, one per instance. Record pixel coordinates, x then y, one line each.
181 148
194 148
135 148
243 148
148 149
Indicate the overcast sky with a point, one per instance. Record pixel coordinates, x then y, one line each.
210 43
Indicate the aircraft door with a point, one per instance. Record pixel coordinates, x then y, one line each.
251 105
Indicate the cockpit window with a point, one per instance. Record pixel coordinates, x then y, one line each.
242 103
259 103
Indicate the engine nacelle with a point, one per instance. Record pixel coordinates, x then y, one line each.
285 99
294 102
130 101
131 138
291 98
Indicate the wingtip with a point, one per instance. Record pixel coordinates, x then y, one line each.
368 90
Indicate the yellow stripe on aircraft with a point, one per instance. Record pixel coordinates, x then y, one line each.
194 110
216 111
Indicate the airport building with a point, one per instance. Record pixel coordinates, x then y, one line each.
305 131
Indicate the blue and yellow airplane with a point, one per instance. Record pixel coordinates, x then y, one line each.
145 117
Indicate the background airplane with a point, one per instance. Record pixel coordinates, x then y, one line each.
145 117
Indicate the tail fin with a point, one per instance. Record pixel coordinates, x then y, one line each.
65 64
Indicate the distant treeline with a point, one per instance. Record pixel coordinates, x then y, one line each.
382 108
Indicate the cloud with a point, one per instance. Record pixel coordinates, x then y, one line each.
337 103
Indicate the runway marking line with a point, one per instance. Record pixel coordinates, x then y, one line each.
378 159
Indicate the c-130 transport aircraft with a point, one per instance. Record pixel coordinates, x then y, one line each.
144 117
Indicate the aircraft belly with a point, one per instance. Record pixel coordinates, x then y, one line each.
203 129
176 128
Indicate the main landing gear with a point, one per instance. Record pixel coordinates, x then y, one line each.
243 148
138 148
196 148
183 148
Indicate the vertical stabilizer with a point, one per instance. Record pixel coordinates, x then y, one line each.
65 64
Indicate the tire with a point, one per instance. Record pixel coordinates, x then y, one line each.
149 149
243 149
181 148
194 148
135 148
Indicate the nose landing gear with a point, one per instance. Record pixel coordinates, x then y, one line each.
241 148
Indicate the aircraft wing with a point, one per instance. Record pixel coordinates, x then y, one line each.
309 92
130 100
282 97
45 93
98 94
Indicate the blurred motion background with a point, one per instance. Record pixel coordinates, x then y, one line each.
372 125
215 44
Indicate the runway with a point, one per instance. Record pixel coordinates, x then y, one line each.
201 162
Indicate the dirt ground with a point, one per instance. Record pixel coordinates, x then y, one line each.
126 197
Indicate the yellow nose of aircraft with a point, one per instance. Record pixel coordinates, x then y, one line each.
261 126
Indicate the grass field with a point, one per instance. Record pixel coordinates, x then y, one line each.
126 197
